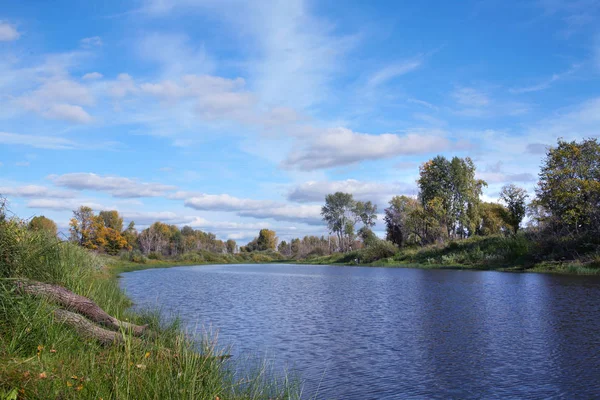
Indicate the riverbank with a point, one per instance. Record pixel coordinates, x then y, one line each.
490 253
42 358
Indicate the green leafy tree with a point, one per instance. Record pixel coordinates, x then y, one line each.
267 240
515 199
338 213
231 245
403 221
450 191
569 186
492 219
112 220
41 223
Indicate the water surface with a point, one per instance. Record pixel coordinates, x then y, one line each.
385 333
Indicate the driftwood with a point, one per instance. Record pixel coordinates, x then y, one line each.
87 329
78 304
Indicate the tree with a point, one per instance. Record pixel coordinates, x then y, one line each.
114 241
84 227
569 186
267 240
231 246
492 219
131 235
402 219
366 213
112 220
338 212
41 223
515 199
449 190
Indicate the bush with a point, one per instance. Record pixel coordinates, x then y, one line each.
153 255
380 250
318 252
261 258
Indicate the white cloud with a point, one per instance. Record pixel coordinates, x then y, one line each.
34 191
63 204
377 192
94 41
90 76
199 222
60 90
22 164
536 148
501 177
178 55
392 71
424 104
145 218
68 112
225 202
341 146
115 185
581 120
122 86
8 32
546 83
40 142
60 99
471 97
308 214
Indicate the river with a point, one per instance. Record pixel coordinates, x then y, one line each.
388 333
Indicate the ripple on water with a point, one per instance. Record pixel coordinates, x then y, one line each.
362 333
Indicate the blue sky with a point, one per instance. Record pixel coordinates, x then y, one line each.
231 115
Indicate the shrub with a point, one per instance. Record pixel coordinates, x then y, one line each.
380 250
154 255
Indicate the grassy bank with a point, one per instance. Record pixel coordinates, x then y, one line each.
40 358
500 253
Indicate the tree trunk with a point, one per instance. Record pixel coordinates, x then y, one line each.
79 304
87 329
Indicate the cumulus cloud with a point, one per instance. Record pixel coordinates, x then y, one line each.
225 202
149 217
68 112
63 204
122 86
34 191
260 209
307 214
495 174
60 99
90 76
8 32
378 192
501 177
341 146
536 148
115 185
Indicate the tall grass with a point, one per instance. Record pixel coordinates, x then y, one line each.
41 359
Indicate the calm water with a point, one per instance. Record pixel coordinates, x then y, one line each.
382 333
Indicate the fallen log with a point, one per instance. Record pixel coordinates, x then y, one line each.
78 304
88 329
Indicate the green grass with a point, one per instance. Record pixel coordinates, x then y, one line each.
42 359
500 253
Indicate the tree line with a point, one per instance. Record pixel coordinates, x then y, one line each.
565 211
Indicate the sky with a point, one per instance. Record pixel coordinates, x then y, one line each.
231 116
